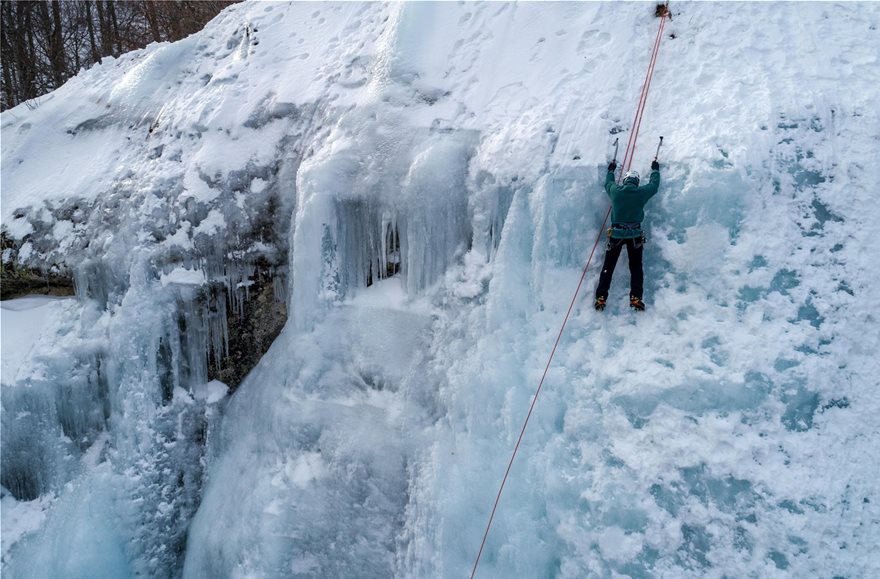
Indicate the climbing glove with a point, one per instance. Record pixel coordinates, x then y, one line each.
612 166
655 165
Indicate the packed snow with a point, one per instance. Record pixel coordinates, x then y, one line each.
425 181
25 324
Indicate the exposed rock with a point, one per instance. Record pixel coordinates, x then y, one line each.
251 331
17 280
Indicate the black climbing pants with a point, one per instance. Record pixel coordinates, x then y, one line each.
634 248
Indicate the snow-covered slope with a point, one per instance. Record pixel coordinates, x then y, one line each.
731 430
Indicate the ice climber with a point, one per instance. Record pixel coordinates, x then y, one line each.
627 212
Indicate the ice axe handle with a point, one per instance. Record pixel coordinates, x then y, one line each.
616 145
658 148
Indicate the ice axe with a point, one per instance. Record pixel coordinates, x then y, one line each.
616 145
658 148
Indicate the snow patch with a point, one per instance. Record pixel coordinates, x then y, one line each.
212 392
24 323
183 276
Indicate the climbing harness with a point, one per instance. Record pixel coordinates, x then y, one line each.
627 161
613 242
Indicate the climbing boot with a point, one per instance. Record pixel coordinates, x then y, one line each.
599 304
636 303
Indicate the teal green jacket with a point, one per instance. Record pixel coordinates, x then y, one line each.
628 204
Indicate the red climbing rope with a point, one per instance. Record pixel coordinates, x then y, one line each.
627 160
646 86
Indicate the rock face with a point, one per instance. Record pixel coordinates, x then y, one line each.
17 282
251 329
20 280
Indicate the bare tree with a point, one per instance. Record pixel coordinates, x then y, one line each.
20 58
90 26
56 45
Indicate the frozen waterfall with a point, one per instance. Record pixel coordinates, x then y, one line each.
322 250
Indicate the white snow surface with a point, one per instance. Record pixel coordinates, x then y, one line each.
212 392
183 276
730 430
25 324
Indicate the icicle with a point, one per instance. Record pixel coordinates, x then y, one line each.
437 226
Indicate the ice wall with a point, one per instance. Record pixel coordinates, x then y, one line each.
421 183
382 198
718 434
107 420
170 230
